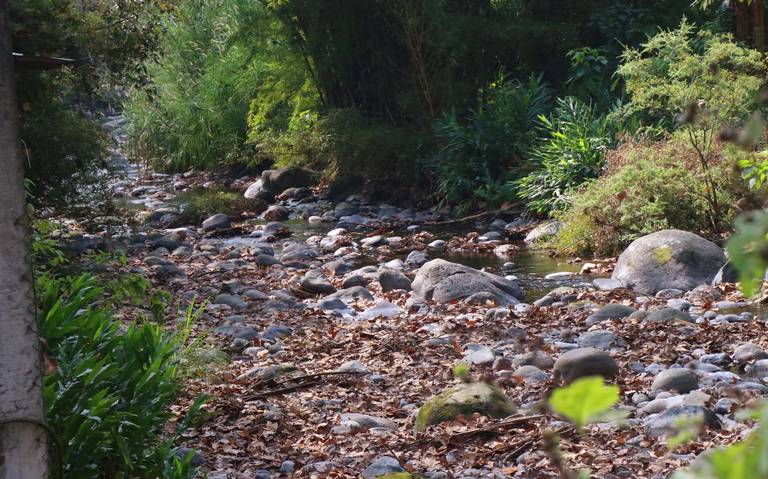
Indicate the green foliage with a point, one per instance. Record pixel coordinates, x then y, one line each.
212 60
199 204
678 68
585 400
571 154
656 189
109 395
590 76
461 371
742 460
475 155
748 251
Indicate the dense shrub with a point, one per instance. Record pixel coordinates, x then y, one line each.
199 204
476 154
677 68
648 188
214 58
108 392
571 154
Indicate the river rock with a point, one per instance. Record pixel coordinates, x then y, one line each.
478 354
276 213
443 281
610 312
382 466
748 352
365 421
681 380
230 300
391 280
464 400
218 221
530 374
537 358
582 362
350 295
315 283
668 259
668 315
667 423
273 182
416 259
380 309
543 231
601 339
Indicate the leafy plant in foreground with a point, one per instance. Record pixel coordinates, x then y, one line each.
585 400
108 397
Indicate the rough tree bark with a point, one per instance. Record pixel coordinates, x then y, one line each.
23 443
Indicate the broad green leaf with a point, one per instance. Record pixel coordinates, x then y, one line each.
748 250
584 400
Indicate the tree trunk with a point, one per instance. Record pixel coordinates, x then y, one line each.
23 443
758 23
742 14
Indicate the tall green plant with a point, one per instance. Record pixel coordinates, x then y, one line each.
108 394
477 154
571 153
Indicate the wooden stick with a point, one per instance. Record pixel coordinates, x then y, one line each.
493 427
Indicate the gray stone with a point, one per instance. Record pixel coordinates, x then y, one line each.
443 281
382 466
237 331
338 267
543 231
530 374
380 309
607 284
350 295
667 423
437 245
668 315
585 362
668 259
230 300
748 352
353 366
540 359
218 221
464 399
391 280
266 260
373 241
478 354
681 380
366 421
601 339
275 332
315 283
416 259
610 312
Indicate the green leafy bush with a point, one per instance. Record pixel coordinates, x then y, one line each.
585 400
108 398
214 58
199 204
571 154
654 188
475 155
677 68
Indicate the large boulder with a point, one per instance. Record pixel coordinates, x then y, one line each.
274 182
543 231
443 281
668 259
464 400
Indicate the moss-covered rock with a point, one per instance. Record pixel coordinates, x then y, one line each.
464 400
